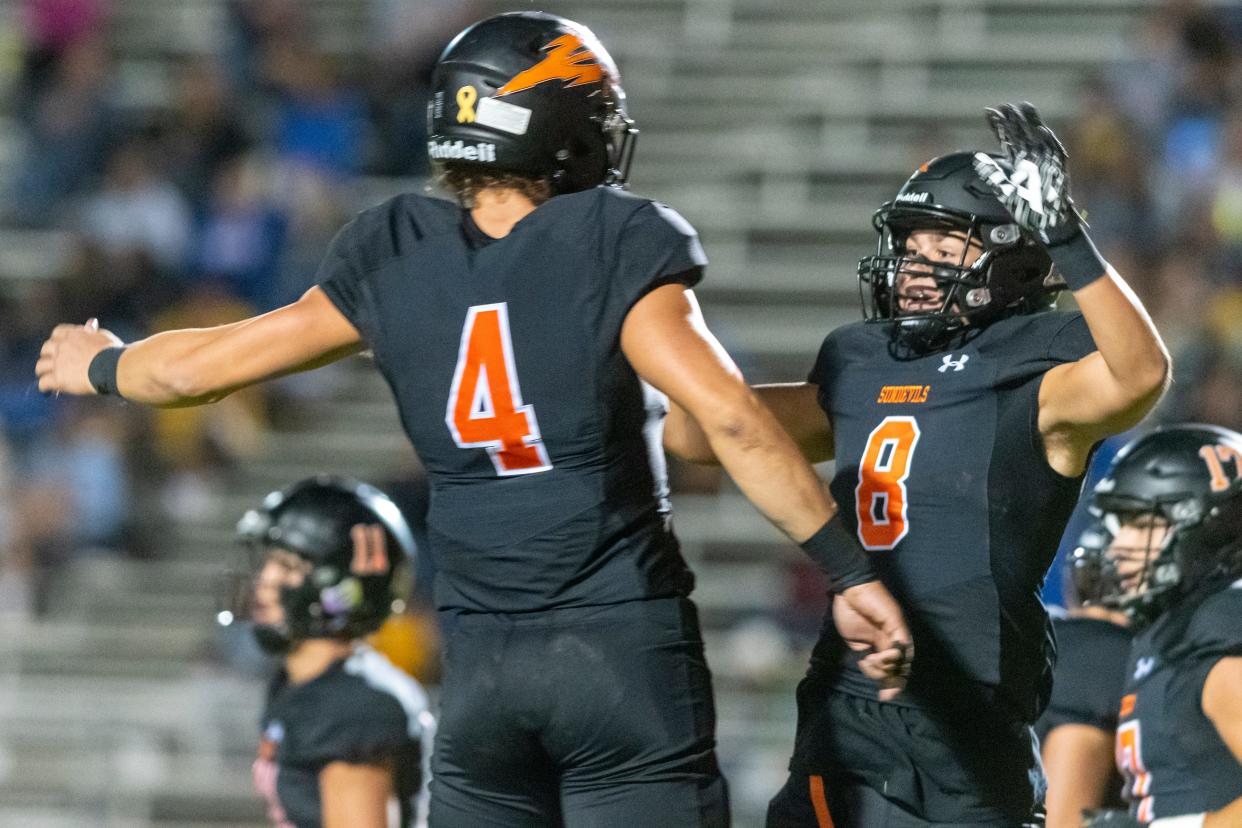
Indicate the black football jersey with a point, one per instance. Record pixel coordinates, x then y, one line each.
1087 680
362 710
941 473
1089 674
542 444
1173 760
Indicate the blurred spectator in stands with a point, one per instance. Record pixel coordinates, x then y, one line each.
1111 176
24 412
52 28
138 214
16 575
403 43
240 236
83 457
320 122
253 24
1225 200
204 131
1182 288
70 125
1209 386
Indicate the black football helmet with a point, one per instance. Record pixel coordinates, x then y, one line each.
1082 584
534 94
1014 272
339 597
1191 477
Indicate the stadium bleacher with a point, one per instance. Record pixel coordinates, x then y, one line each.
775 128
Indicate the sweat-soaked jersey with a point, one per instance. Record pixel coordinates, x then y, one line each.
541 443
941 473
361 710
1171 755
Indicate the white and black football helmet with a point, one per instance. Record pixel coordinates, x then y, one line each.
1013 274
316 519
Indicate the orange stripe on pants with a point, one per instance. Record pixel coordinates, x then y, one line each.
820 802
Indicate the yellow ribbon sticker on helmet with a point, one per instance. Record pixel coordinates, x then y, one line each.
466 97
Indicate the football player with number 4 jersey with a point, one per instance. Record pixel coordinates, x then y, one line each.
529 333
1173 502
961 414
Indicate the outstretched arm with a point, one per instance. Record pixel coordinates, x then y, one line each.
1108 390
668 344
795 405
201 365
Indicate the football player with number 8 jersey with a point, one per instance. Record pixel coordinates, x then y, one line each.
529 332
961 414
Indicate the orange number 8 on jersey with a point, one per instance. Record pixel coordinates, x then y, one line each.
485 407
880 496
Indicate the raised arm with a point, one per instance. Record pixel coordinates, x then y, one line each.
668 344
1112 388
795 406
202 365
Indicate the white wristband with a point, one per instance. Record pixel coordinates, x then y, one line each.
1188 821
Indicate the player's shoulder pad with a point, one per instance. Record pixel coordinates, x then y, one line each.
628 206
1215 629
376 232
389 683
857 340
1035 342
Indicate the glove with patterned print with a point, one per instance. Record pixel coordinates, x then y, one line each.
1035 190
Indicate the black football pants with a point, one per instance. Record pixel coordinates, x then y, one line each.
593 716
862 763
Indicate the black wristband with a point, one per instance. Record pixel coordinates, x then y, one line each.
102 370
1077 260
838 554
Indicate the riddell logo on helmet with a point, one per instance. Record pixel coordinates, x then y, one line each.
914 198
461 151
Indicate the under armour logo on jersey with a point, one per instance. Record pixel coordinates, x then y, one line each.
955 364
1143 667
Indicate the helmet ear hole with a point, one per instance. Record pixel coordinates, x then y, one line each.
1004 234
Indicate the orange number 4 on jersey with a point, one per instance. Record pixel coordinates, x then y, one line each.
485 407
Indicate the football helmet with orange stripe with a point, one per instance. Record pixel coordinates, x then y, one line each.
532 94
